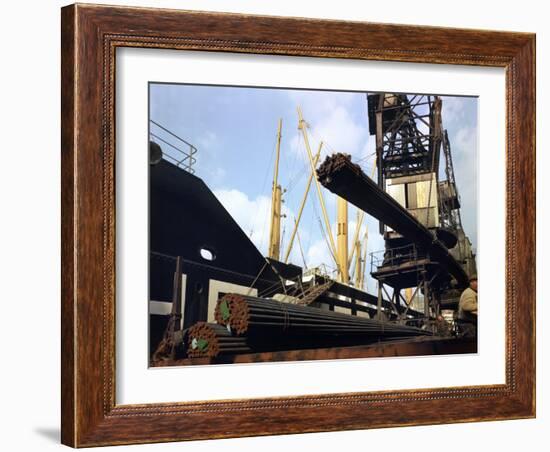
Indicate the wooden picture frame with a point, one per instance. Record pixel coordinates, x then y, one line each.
90 36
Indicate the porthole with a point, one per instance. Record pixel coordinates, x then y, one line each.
207 254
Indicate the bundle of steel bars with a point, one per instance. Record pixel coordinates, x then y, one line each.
210 340
339 175
247 324
249 315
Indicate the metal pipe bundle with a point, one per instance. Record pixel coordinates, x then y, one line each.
210 340
339 175
249 315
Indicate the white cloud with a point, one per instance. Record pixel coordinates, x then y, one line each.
207 161
319 103
318 254
464 142
252 215
453 109
207 140
217 173
297 145
340 132
329 120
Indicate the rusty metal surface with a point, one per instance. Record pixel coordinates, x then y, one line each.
411 347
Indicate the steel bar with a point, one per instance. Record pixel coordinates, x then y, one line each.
249 315
339 175
210 340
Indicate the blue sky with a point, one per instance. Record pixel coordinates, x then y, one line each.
235 130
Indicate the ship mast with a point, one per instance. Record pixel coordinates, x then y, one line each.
276 201
342 238
302 205
332 247
358 265
364 258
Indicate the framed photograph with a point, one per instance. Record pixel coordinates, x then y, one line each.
277 225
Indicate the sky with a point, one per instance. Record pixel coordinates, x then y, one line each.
235 132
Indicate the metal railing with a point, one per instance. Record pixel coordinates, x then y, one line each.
393 256
323 271
182 154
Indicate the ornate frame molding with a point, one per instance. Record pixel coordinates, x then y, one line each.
90 37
